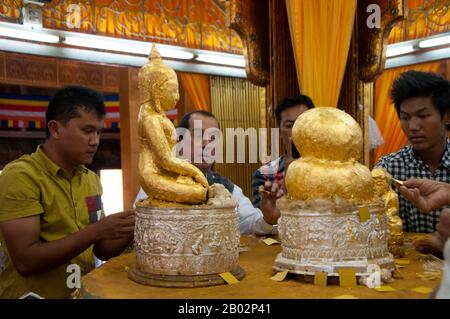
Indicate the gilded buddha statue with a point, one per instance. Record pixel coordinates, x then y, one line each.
186 232
382 187
165 178
331 217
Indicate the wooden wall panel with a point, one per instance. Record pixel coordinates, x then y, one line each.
77 73
283 75
25 69
30 70
2 66
129 141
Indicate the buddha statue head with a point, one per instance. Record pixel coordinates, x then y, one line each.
327 133
158 84
329 141
381 181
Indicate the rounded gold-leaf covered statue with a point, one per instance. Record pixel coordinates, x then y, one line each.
382 187
329 141
330 217
164 177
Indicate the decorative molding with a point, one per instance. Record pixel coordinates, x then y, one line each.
22 69
250 19
428 18
188 23
10 10
2 65
372 43
110 78
38 71
70 73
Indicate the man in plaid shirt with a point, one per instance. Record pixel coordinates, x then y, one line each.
268 180
422 101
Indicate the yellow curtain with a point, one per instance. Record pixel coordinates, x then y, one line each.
196 87
385 113
321 32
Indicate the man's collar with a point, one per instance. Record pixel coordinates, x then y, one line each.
52 167
415 159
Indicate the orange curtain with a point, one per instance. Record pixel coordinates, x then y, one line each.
196 87
321 32
385 113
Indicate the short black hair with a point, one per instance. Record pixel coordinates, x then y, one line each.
412 84
184 122
64 104
291 101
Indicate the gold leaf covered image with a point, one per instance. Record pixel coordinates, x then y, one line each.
165 178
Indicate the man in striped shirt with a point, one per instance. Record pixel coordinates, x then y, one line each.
422 101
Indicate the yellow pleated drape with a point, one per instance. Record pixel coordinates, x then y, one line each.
385 113
321 32
196 87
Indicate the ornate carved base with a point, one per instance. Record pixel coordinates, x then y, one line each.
173 281
310 268
331 239
185 247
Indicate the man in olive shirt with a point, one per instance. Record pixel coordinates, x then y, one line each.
50 204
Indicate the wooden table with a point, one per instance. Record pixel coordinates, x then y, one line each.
111 280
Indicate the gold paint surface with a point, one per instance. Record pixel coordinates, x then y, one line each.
164 177
312 178
329 141
327 133
382 188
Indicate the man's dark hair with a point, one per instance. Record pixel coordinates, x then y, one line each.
184 122
412 84
65 103
291 101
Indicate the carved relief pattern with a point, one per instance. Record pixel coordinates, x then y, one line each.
81 74
36 70
186 242
431 17
330 237
10 10
2 65
111 78
256 60
189 23
50 72
372 47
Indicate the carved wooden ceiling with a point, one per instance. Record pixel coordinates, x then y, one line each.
199 24
424 18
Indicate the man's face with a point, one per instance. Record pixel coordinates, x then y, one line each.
288 117
80 138
422 123
199 140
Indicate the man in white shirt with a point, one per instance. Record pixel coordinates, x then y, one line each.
202 127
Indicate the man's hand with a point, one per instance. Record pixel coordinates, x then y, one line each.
116 226
270 193
425 194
